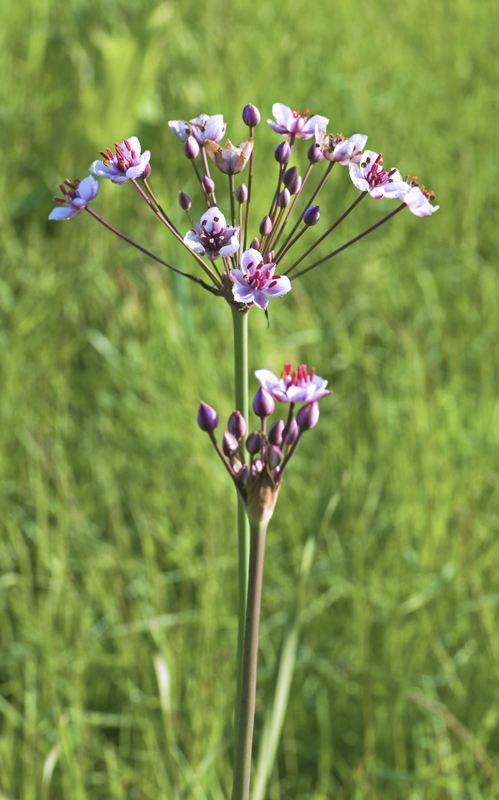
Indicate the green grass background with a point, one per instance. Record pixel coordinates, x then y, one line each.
118 550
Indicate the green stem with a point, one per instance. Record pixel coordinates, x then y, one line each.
240 322
242 772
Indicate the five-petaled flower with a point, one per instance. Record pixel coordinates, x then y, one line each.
230 159
202 128
370 176
256 282
126 163
292 123
76 199
211 237
297 386
337 148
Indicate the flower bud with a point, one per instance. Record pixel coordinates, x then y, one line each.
254 443
312 215
315 153
273 456
208 184
257 466
290 432
282 153
242 194
268 257
295 187
251 116
230 445
244 473
147 171
283 198
263 403
237 425
255 244
266 226
191 148
308 416
289 176
207 418
184 201
275 433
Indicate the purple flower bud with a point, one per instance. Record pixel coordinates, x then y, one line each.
295 187
251 116
312 215
282 153
207 418
308 416
273 456
242 194
255 244
315 153
208 184
275 433
289 176
268 257
237 425
263 403
244 473
257 466
191 148
266 226
147 171
230 445
254 443
290 433
283 198
184 201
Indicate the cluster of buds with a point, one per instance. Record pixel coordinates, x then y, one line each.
250 272
257 473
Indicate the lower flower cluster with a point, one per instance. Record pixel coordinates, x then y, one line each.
258 472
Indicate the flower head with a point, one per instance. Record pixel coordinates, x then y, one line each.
126 163
370 176
418 199
230 159
337 148
211 237
256 282
296 386
201 128
293 123
76 199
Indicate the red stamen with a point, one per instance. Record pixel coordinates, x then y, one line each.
133 154
272 284
103 154
294 377
63 190
312 373
127 144
110 153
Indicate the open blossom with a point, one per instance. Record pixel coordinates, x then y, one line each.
297 386
337 148
256 282
126 163
230 159
370 176
289 122
202 128
211 237
76 199
418 199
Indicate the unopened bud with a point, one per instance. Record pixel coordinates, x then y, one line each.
230 445
312 215
242 194
191 148
208 184
295 187
290 432
254 443
184 201
244 473
289 176
147 171
275 433
268 257
263 403
207 418
266 226
251 116
257 466
237 425
308 416
282 153
283 198
255 244
273 456
315 153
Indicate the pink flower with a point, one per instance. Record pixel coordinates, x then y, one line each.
125 164
337 148
370 176
256 282
293 387
202 128
212 238
292 123
418 199
76 199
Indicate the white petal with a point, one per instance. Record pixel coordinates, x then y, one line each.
267 379
249 257
282 114
88 188
134 145
179 128
358 180
210 216
192 241
63 212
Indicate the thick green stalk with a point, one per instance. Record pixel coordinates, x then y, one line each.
240 321
246 715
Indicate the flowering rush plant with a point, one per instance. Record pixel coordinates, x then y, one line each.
248 258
